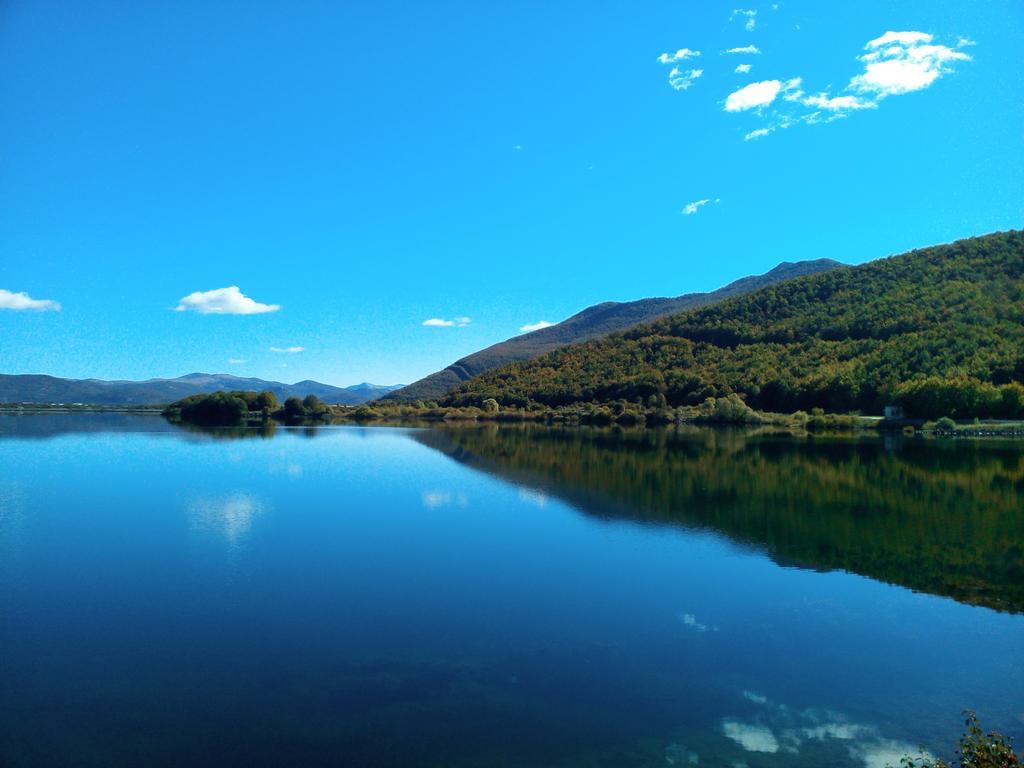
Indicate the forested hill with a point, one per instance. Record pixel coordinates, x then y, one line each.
940 330
591 323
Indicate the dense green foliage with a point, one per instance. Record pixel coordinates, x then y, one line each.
293 408
229 409
961 396
591 323
977 749
309 407
224 408
939 330
938 517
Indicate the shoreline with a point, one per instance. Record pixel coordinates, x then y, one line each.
584 416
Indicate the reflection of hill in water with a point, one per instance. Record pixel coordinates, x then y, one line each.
944 518
42 424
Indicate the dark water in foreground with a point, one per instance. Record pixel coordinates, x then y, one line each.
500 597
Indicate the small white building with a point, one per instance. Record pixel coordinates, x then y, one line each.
893 412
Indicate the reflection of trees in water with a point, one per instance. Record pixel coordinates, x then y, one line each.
941 518
46 425
264 429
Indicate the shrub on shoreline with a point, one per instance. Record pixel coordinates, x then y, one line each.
976 749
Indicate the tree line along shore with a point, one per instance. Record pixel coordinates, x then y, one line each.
231 408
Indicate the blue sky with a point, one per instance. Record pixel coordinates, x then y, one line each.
357 170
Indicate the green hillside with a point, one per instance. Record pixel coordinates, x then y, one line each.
591 323
940 330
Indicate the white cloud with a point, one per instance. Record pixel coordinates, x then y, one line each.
753 738
791 90
681 55
691 208
223 301
902 38
837 103
22 301
792 85
287 350
753 96
682 80
749 15
902 62
895 77
535 326
236 361
894 63
439 322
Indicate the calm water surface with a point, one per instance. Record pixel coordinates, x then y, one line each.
500 597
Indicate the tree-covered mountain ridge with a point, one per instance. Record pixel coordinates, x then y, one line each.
939 329
591 323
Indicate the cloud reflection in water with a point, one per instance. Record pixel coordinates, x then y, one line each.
436 499
230 516
780 728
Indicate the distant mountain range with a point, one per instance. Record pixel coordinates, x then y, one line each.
594 322
50 389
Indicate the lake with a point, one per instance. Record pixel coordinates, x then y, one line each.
500 596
